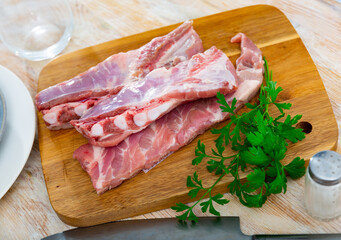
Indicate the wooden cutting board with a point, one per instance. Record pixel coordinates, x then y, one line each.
69 187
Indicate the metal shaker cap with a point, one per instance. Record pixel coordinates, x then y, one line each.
325 168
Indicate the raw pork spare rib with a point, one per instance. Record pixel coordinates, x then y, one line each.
59 116
136 106
109 167
109 76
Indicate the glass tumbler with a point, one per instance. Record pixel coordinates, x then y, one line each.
35 29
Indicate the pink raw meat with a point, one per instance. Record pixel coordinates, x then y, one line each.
138 105
109 167
109 76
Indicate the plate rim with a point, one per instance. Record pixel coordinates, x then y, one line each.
30 138
3 118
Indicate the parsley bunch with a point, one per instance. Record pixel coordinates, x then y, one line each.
260 142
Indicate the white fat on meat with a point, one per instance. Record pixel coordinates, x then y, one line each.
140 119
246 90
121 122
155 113
97 130
50 118
80 109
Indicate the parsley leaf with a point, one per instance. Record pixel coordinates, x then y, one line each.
256 200
200 153
255 138
255 156
224 106
278 185
180 207
255 180
296 168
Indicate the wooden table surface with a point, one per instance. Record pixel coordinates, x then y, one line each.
25 210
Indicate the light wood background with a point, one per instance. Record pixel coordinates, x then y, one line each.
25 211
70 191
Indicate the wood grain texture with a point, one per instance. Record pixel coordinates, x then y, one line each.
317 22
70 188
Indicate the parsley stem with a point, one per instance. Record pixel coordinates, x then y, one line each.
266 110
212 157
221 157
208 190
232 156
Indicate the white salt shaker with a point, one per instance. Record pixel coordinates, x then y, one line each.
323 186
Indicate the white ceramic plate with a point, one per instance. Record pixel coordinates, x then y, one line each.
19 130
